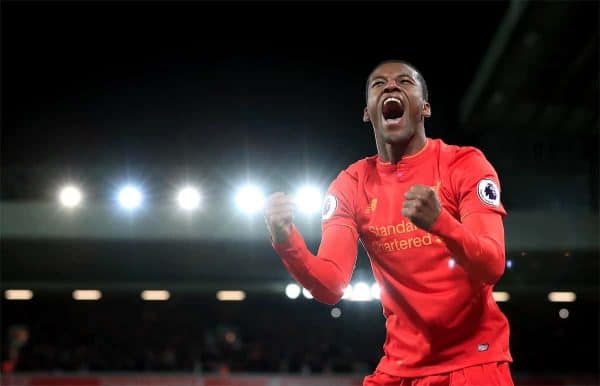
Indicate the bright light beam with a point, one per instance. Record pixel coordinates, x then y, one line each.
70 196
309 200
292 291
130 197
375 291
361 292
250 199
188 198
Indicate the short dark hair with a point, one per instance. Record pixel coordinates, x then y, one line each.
420 77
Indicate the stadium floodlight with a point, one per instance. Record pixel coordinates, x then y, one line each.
70 196
336 312
306 293
361 292
250 199
501 296
231 296
130 197
347 292
18 294
375 291
188 198
562 297
155 295
292 291
309 200
87 294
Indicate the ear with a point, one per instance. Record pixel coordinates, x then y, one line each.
426 111
366 117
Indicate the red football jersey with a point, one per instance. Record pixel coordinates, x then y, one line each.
438 317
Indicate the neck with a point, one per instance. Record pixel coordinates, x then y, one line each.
394 152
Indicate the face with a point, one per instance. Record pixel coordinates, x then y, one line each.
395 105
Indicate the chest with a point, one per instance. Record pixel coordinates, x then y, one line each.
383 228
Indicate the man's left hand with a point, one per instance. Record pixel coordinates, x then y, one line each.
422 206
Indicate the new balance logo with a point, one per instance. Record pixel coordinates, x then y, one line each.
372 206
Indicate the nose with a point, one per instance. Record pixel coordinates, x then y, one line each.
390 86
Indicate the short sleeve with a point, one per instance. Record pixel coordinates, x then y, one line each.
338 204
476 184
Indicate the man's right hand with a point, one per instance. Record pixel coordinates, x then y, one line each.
279 215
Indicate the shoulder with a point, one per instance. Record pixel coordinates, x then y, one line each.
472 178
464 159
346 182
455 154
356 170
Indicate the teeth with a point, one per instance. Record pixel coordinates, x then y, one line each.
392 99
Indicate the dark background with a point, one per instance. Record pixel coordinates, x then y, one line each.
219 92
219 87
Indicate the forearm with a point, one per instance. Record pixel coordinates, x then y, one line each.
326 274
477 244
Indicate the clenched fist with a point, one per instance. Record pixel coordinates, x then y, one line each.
279 215
422 206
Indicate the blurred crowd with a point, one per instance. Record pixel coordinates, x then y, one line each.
266 334
148 339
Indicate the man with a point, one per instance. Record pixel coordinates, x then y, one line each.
430 218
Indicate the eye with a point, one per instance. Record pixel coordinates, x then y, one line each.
377 83
405 81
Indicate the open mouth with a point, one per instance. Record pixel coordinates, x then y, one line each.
393 108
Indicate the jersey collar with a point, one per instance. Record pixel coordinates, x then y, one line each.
407 161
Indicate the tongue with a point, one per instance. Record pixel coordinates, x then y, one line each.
392 110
